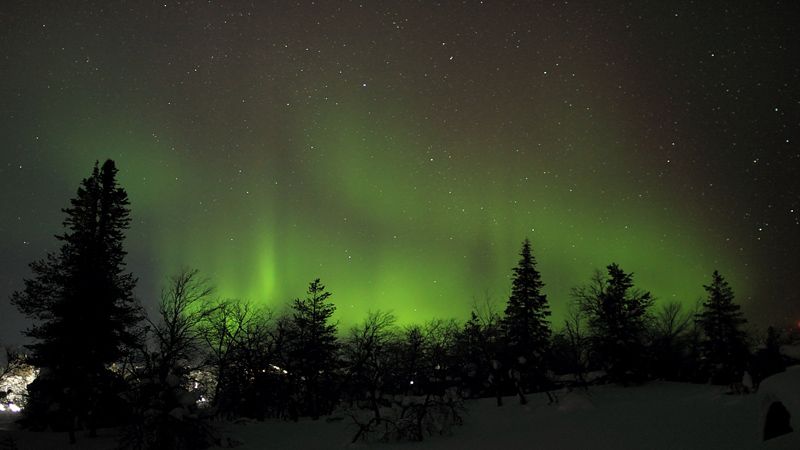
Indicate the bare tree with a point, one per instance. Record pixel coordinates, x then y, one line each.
486 311
419 361
366 352
483 336
578 342
670 335
185 305
222 330
671 321
164 411
247 350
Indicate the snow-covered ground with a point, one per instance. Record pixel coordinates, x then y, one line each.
106 439
654 416
658 415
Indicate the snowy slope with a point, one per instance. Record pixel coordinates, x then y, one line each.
785 388
654 416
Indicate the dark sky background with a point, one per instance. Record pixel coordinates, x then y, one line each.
401 151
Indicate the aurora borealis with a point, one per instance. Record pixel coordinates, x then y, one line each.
401 151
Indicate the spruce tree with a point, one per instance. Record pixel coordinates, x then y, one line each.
618 315
525 325
313 357
81 299
724 345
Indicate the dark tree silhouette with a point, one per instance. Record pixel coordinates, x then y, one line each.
669 342
440 361
313 355
222 329
525 324
367 354
243 345
724 344
472 358
617 315
177 333
81 300
164 412
768 359
478 347
411 362
426 401
570 348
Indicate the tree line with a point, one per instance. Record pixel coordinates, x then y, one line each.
105 361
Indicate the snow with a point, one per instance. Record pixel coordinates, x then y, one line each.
575 401
106 438
11 407
792 351
783 387
657 415
14 384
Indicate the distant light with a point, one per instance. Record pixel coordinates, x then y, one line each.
14 408
280 369
411 382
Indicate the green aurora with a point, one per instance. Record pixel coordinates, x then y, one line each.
386 230
403 154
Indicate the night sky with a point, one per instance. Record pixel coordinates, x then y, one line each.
402 151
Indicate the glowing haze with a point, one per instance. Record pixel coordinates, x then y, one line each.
402 154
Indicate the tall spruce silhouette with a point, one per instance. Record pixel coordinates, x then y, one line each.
724 344
314 347
525 325
81 300
618 315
